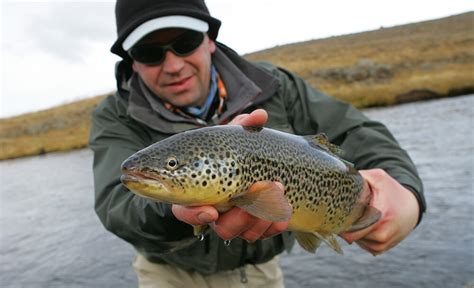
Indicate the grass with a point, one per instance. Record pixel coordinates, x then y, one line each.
57 129
387 66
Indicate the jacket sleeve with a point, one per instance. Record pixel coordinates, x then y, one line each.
145 224
366 143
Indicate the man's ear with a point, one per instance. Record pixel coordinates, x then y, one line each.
134 67
212 45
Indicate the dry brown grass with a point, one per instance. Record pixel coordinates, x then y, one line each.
386 66
58 129
383 67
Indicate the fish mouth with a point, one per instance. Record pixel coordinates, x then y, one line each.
150 185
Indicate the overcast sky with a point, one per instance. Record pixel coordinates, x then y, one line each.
56 52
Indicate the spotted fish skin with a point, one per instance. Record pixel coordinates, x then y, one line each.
214 165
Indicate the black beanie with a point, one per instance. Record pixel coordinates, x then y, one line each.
129 14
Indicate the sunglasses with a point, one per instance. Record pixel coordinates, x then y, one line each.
154 54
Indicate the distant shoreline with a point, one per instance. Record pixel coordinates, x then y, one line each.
413 62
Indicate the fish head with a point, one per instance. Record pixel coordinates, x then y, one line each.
182 170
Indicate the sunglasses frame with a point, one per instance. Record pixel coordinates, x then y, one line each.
167 47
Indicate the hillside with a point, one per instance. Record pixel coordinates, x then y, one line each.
383 67
387 66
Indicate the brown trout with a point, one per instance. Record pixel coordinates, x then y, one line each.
217 166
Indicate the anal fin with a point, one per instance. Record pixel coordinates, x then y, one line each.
308 241
311 241
331 241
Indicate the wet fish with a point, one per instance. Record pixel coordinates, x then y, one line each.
324 194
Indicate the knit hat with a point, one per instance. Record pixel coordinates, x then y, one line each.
137 18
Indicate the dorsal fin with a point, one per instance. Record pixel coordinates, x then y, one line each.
321 141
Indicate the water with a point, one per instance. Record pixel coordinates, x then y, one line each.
50 236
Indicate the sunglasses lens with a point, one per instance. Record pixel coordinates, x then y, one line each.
187 43
147 54
153 54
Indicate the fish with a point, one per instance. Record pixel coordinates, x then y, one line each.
232 165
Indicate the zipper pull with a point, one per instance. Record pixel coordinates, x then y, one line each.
243 275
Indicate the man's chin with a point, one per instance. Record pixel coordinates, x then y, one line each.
185 100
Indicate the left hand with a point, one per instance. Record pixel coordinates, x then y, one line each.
400 211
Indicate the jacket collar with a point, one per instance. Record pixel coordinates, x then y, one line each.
246 85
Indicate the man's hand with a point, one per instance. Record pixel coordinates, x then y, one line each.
400 211
235 222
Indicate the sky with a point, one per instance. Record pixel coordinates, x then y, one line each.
57 52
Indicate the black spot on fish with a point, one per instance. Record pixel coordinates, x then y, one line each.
204 183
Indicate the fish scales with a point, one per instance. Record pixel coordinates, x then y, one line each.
215 165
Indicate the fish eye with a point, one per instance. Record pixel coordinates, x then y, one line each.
172 163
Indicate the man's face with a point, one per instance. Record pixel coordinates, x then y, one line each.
181 81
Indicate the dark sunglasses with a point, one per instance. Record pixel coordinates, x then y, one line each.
154 54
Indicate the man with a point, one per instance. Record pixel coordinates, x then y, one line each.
175 76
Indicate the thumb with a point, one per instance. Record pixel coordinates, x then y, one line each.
257 118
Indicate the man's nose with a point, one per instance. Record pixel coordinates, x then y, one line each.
172 64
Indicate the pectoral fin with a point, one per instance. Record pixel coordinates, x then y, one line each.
265 200
371 215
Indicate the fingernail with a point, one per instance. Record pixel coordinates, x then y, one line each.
205 217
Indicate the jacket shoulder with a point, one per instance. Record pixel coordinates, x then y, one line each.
111 106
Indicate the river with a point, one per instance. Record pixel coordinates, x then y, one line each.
50 236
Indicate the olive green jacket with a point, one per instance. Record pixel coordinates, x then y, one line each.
125 123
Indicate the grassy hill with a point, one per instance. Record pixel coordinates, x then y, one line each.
387 66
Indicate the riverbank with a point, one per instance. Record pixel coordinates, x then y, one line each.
413 62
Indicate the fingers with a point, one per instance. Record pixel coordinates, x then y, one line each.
258 118
238 223
195 215
376 247
350 237
256 231
276 228
231 224
375 242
